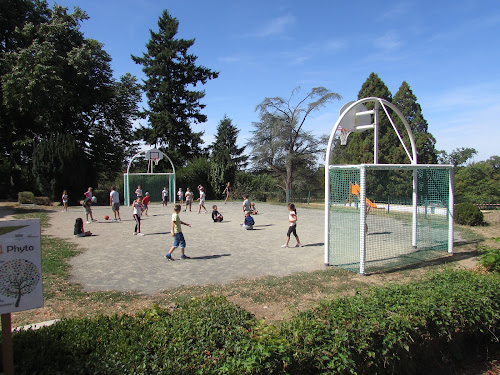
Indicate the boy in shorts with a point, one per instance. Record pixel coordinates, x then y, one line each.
177 233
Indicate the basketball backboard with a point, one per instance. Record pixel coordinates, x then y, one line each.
351 121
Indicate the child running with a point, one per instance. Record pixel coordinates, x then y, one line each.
177 233
292 226
138 208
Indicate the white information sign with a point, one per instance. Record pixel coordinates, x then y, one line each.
20 266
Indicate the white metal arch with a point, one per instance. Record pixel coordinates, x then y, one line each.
127 197
378 102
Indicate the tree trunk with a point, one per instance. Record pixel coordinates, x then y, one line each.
288 183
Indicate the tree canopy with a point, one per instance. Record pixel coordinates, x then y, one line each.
54 81
226 157
173 104
280 143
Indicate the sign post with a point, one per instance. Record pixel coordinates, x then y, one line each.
20 276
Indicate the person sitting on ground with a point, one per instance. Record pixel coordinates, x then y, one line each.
216 215
79 231
254 211
249 222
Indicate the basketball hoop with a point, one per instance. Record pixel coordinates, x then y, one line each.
155 160
344 134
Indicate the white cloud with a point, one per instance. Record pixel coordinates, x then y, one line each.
389 41
395 11
276 26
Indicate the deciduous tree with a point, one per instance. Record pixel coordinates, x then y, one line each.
281 144
53 81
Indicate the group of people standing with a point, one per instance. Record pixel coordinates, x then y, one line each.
140 207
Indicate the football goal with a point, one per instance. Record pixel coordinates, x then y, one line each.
150 182
384 216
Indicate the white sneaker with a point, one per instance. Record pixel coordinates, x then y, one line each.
88 222
299 245
135 234
140 234
284 245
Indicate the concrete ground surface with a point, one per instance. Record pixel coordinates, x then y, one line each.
115 259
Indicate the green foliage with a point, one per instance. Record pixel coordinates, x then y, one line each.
478 182
407 103
257 185
196 173
226 157
55 81
171 74
397 329
467 213
102 197
26 197
458 157
281 145
490 258
209 336
42 201
60 164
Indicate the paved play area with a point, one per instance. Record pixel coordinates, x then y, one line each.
115 259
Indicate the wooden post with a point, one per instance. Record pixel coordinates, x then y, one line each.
7 353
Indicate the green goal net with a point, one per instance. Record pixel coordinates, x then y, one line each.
384 217
153 183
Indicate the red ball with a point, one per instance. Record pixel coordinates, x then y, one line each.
106 217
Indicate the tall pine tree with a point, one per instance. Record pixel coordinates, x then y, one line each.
406 102
359 148
171 73
226 156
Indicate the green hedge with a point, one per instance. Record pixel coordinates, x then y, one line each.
26 197
399 329
391 329
468 214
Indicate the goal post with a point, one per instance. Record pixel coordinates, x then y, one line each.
400 213
153 183
379 216
150 182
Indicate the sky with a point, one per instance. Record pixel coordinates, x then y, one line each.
447 51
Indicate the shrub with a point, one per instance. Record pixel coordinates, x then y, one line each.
25 197
102 197
399 329
490 258
206 336
42 201
468 214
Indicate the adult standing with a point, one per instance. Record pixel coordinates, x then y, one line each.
114 202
